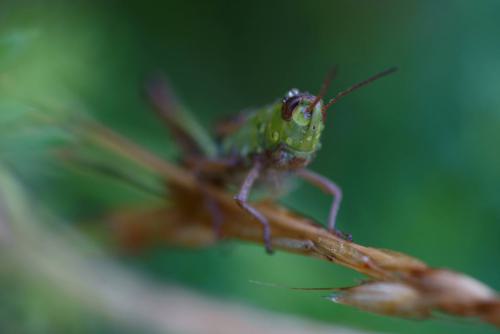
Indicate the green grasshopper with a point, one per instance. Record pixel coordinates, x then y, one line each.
265 144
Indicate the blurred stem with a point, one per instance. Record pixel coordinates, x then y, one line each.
287 227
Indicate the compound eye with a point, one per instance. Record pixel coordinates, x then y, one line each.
288 106
301 117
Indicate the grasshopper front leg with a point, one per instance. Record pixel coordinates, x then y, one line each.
242 200
331 188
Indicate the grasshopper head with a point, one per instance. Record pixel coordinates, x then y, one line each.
302 121
296 128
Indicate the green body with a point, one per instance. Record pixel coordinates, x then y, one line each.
283 143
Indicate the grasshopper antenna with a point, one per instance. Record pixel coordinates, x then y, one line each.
324 87
358 85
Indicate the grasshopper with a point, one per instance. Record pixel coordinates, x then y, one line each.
265 144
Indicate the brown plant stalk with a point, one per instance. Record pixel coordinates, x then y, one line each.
399 285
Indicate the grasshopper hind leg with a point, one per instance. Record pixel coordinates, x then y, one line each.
190 135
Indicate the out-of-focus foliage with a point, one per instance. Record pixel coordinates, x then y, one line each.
415 153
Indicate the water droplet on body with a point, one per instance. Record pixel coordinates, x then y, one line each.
275 136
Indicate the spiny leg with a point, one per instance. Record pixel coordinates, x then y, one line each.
331 188
166 106
242 198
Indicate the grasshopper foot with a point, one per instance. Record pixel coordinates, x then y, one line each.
342 235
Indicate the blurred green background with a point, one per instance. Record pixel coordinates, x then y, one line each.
416 153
